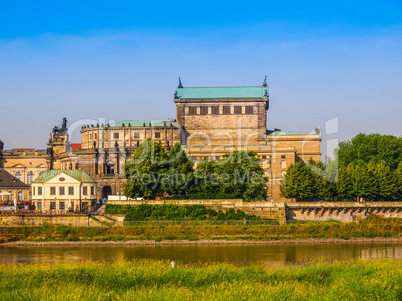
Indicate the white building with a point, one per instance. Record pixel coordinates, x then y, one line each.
60 190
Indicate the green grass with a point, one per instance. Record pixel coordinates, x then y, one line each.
371 227
155 280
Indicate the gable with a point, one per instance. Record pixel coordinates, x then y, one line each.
67 179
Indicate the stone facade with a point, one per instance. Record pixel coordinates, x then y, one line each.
210 122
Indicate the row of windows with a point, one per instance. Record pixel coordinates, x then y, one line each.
136 135
226 110
62 205
62 190
69 166
30 176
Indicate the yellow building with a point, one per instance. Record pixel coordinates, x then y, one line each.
58 191
210 122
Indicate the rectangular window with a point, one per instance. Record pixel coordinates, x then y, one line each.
70 190
62 205
192 111
264 157
96 136
136 135
237 110
92 190
34 189
61 191
52 190
116 135
39 190
249 110
72 205
226 110
283 156
52 205
157 135
204 110
85 190
217 158
215 110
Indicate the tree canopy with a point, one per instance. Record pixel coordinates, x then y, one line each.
368 167
152 172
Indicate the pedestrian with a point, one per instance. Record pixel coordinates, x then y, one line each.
172 263
245 221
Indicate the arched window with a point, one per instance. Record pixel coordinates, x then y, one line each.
30 177
76 165
110 168
18 175
20 195
283 164
71 165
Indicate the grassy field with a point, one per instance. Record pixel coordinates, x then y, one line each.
155 280
371 227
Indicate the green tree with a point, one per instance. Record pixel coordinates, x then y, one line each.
146 171
387 182
345 186
239 174
375 147
180 178
398 177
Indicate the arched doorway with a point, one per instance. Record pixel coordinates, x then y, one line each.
106 191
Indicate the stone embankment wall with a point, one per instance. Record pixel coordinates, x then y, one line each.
78 220
341 211
282 212
267 210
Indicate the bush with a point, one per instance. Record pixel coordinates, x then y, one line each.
146 212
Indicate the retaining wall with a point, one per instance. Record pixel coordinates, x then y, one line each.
78 220
341 211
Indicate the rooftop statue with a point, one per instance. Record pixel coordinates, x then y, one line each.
62 128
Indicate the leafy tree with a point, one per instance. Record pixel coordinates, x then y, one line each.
180 178
345 187
238 174
144 171
387 182
371 147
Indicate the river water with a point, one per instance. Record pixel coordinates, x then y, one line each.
270 255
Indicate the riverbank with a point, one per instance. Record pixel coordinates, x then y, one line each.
373 227
200 242
156 280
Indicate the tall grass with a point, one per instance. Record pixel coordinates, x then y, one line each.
373 226
155 280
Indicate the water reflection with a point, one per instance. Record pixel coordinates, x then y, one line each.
271 255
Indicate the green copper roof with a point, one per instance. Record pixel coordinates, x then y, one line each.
138 123
77 174
222 92
281 133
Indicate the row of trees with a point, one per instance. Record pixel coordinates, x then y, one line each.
153 172
368 167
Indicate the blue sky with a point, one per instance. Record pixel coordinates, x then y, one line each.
116 60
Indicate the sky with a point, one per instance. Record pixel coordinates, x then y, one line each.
336 65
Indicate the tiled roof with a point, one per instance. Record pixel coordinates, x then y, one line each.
77 174
222 92
282 133
138 123
8 181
